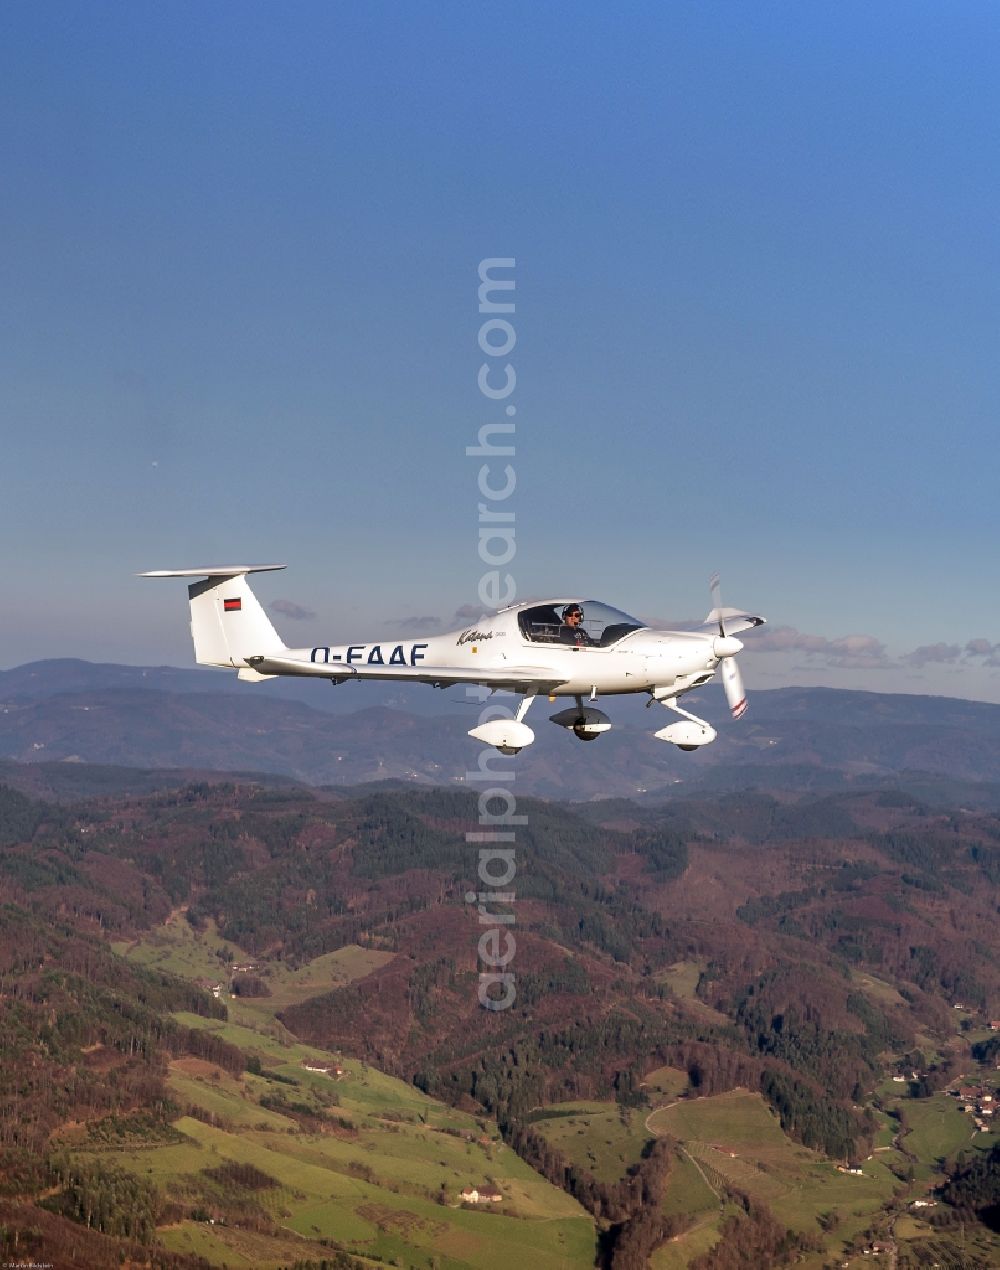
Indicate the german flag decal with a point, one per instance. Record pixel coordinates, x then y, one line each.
232 606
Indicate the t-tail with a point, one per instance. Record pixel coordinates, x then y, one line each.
228 623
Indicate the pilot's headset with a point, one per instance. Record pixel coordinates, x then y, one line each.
570 609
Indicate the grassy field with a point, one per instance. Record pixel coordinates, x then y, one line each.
376 1193
176 947
734 1138
734 1118
882 993
225 1097
389 1213
383 1175
594 1135
887 1130
682 980
972 1244
938 1128
679 1252
665 1084
226 1245
688 1191
383 1179
332 970
362 1088
730 1139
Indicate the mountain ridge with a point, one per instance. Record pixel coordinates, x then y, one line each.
162 717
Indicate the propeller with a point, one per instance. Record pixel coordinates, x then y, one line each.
726 648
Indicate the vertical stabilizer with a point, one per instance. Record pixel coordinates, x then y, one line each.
228 623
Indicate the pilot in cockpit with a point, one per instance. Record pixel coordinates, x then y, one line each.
571 631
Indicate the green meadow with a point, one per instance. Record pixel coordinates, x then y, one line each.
598 1136
679 1252
682 980
689 1192
682 977
375 1167
882 993
937 1129
731 1139
383 1180
736 1138
665 1084
177 948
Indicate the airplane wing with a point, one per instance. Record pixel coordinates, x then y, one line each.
513 678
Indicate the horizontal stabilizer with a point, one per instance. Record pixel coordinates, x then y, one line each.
219 571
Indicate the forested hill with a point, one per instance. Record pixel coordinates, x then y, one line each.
796 947
197 719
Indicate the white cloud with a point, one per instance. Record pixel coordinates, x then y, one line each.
295 612
467 613
933 653
423 625
427 624
846 652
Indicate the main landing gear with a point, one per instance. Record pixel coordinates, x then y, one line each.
507 735
690 733
587 723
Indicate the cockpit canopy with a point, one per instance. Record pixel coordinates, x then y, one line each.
543 623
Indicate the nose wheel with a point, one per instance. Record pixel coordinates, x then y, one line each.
584 722
689 733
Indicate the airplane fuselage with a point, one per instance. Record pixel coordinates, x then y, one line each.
640 662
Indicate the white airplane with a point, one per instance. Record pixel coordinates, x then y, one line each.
558 648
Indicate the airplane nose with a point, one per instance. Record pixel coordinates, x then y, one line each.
726 646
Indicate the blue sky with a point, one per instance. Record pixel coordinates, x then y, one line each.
757 301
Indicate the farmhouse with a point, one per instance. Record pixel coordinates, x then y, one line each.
323 1069
480 1195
